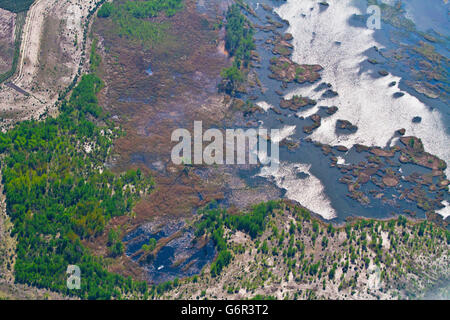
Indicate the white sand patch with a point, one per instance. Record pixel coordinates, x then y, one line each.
307 191
374 281
307 113
341 161
444 212
88 147
385 238
283 133
74 17
264 105
276 137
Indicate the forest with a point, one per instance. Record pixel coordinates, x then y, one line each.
59 193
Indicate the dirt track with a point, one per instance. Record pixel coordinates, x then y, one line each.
31 38
50 55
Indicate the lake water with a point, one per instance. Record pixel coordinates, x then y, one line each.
337 39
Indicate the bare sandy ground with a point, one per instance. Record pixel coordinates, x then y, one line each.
51 52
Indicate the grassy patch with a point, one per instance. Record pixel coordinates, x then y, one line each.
16 5
132 19
239 43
